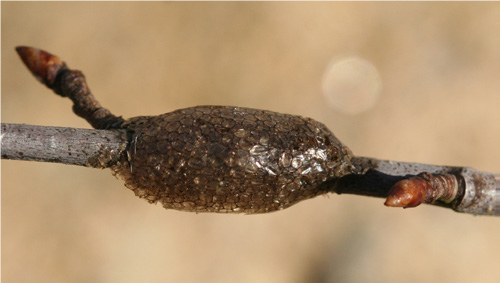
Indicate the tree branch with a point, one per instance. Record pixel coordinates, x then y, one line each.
84 147
104 148
231 159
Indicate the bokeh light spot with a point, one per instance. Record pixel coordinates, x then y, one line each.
351 85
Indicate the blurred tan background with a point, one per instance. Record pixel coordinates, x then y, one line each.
439 65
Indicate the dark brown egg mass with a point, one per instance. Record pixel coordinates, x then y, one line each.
230 159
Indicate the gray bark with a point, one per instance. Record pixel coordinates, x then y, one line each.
84 147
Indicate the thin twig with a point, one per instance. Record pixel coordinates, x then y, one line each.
473 191
231 159
84 147
104 148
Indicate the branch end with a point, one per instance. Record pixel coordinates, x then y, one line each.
43 65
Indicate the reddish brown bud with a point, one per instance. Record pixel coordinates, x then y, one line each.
423 188
43 65
407 193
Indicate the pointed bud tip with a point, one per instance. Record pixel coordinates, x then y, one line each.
392 201
21 49
406 193
43 65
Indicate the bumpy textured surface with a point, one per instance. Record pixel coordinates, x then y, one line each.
230 159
